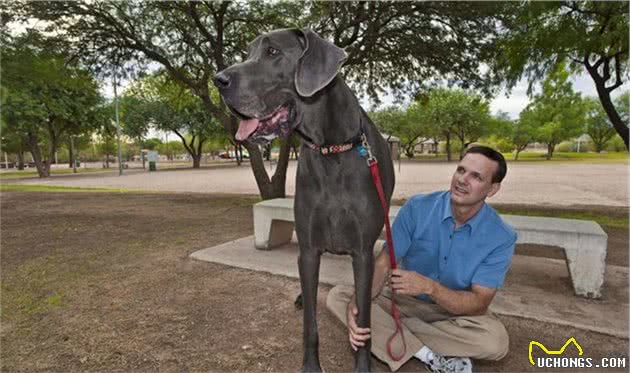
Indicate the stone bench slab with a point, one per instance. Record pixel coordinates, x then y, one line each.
584 242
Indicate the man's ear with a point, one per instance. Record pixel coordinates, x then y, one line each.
494 189
318 65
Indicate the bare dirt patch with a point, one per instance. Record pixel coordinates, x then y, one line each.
100 281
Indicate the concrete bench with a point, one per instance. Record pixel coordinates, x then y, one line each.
584 242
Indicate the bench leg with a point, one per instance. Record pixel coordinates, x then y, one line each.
587 269
271 233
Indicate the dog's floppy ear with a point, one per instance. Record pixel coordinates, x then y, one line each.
318 65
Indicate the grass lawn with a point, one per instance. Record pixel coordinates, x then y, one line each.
32 172
571 156
612 157
60 189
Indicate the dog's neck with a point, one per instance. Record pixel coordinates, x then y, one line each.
341 108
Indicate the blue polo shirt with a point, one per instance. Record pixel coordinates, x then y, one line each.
426 241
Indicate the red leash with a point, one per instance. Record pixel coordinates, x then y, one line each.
376 178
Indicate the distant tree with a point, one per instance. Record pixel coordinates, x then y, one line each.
152 143
524 130
13 142
171 107
499 131
591 36
45 96
598 126
106 131
404 123
457 114
622 103
558 110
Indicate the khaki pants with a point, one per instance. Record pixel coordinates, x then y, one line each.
478 337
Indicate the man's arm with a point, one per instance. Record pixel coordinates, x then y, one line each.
461 302
456 302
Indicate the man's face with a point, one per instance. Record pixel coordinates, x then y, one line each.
472 180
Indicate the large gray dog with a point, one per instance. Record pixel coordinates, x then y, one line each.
289 82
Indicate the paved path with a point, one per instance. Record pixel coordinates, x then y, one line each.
607 315
533 183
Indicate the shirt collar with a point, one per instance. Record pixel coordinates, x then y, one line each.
447 212
473 222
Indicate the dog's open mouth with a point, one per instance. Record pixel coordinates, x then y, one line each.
263 130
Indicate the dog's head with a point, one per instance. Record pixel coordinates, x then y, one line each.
282 68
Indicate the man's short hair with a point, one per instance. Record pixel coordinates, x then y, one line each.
492 155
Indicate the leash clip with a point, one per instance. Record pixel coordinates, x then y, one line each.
366 151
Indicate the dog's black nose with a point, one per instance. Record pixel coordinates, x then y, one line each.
222 80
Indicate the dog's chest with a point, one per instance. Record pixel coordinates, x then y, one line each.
336 207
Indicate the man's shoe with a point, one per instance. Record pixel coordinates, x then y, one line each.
442 364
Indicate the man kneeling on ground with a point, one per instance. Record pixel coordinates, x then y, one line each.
454 251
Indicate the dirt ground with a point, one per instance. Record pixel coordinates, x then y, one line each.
103 282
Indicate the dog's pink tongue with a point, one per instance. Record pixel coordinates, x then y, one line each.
246 128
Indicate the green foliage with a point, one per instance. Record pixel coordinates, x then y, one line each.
622 103
45 96
461 117
499 132
616 145
457 114
499 143
151 144
557 111
598 127
406 124
159 102
537 37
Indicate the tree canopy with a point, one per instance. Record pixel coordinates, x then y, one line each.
558 111
396 45
588 36
45 96
158 101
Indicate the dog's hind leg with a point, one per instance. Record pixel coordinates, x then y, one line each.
363 267
308 264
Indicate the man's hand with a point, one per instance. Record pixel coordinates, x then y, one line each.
411 283
356 335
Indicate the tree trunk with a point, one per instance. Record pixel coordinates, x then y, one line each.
598 148
70 154
604 97
20 156
276 187
448 147
409 150
550 147
196 161
42 171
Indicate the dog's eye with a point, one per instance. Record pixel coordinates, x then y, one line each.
272 51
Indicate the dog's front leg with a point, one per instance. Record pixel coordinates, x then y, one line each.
363 267
308 264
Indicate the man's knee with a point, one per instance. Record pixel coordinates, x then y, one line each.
494 340
337 300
